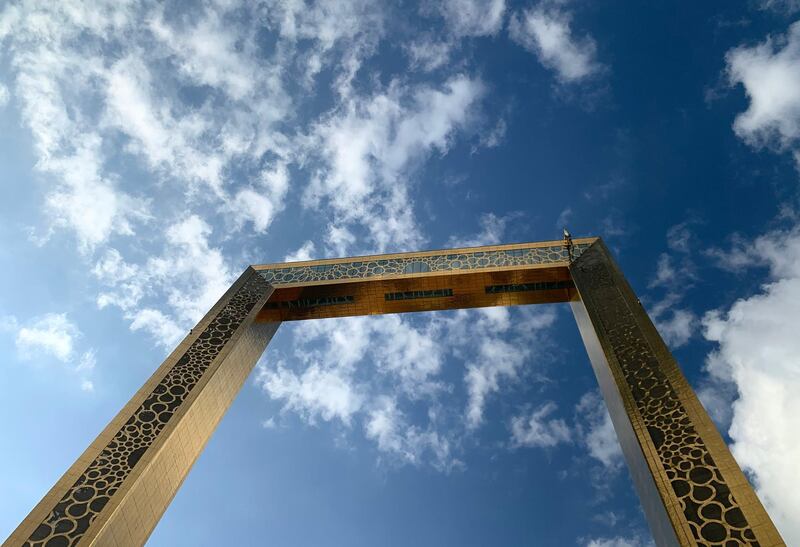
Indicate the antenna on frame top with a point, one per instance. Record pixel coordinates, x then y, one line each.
568 243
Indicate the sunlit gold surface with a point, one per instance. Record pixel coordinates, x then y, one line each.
469 291
664 431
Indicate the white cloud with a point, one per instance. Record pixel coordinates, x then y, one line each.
619 541
318 392
770 74
493 230
473 17
387 426
388 373
497 359
409 355
678 329
368 148
546 32
327 22
166 142
159 326
665 272
4 95
536 430
786 6
353 26
675 274
94 82
207 54
564 217
757 351
304 252
429 53
260 204
51 334
49 78
124 100
168 293
598 432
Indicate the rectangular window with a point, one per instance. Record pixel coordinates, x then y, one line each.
310 302
522 287
411 295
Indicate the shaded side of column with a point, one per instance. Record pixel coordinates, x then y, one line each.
691 489
116 492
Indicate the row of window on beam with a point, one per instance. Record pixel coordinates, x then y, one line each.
311 302
413 295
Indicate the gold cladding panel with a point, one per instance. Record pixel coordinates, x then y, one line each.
469 291
658 417
704 493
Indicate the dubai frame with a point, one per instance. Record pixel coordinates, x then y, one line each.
691 489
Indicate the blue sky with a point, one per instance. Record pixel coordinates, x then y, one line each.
149 152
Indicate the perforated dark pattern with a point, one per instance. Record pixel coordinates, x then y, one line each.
71 517
706 500
447 261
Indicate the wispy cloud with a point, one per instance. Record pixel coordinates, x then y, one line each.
538 429
184 282
597 432
473 17
675 275
49 337
386 374
368 147
545 30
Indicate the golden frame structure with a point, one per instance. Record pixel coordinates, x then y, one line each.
691 489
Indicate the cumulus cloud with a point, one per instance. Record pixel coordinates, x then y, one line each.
52 336
304 252
546 31
212 127
536 429
49 76
185 281
386 374
125 100
757 349
368 147
4 95
770 74
317 392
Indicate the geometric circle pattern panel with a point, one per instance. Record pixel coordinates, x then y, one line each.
706 500
72 515
476 260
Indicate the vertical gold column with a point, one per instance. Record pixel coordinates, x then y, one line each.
118 489
692 490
